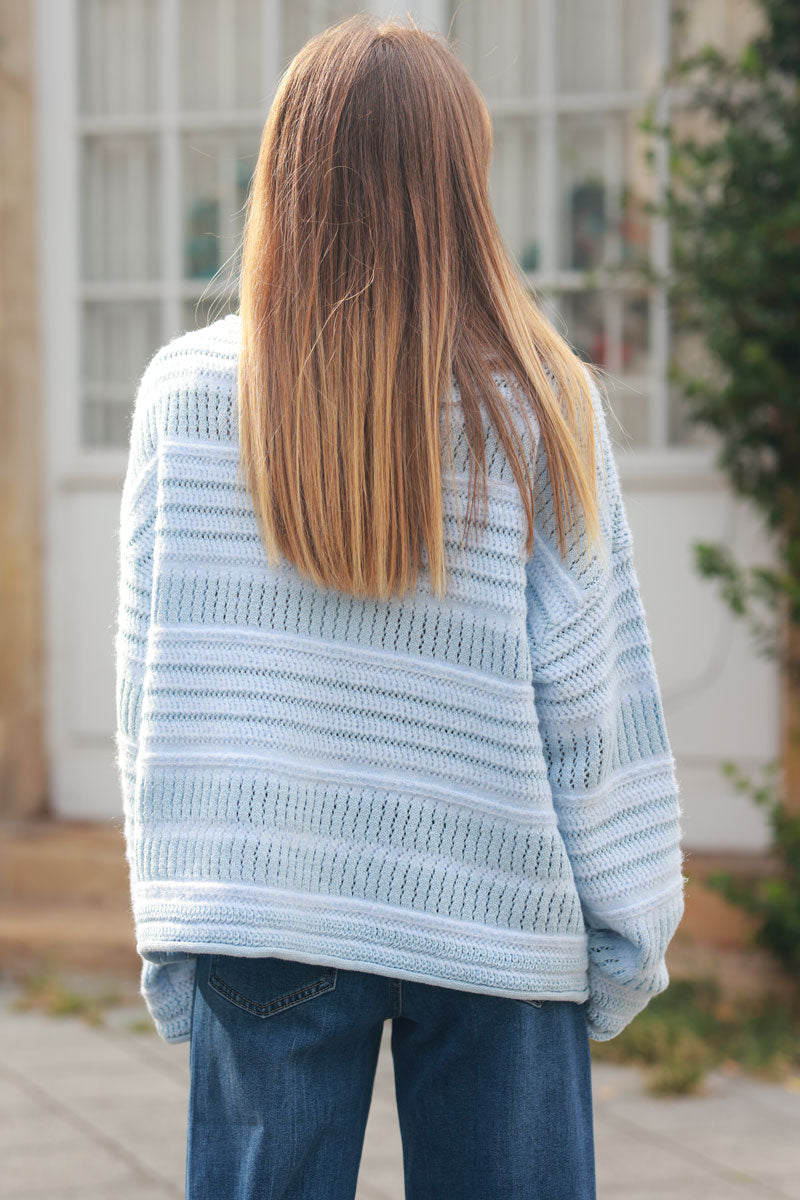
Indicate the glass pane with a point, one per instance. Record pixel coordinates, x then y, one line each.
584 41
119 210
200 82
609 328
629 404
635 334
498 45
641 54
579 318
218 168
296 26
514 194
119 338
249 85
604 181
300 21
690 351
606 45
584 199
118 56
221 54
337 10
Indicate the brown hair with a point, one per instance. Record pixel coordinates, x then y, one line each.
373 274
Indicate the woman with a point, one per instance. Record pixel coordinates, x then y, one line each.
381 759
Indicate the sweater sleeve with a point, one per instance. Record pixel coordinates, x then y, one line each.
166 979
609 760
136 542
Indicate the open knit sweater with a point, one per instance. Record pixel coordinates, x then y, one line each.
476 792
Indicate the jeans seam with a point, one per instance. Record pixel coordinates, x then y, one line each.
265 1008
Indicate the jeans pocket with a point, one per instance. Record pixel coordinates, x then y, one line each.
535 1003
264 986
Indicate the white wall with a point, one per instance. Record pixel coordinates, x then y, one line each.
721 699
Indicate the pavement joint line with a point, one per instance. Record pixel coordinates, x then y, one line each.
96 1135
700 1158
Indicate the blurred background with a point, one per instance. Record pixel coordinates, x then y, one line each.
645 177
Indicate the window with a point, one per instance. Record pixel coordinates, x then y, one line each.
566 82
172 97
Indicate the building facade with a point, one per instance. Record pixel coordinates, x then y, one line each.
146 117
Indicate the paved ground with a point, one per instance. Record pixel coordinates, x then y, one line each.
98 1113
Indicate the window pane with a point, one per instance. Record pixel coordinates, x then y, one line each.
250 89
217 172
641 54
636 334
629 403
604 181
512 184
498 43
579 317
120 211
300 21
606 45
584 194
221 55
610 328
118 49
584 38
199 56
690 350
119 338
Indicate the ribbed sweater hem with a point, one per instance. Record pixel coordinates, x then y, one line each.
187 917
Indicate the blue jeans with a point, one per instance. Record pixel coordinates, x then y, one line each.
493 1095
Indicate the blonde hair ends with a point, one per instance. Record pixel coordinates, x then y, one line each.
373 275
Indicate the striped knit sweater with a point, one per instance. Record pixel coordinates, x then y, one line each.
476 792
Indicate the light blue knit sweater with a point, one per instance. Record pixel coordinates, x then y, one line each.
477 793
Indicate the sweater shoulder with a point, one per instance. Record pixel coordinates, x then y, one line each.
562 579
189 384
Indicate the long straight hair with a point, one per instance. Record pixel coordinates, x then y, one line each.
373 275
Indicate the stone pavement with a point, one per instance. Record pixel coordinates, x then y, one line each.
100 1112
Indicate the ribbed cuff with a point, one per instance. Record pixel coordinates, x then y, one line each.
168 991
612 1006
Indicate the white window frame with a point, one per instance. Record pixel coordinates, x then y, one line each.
659 460
63 293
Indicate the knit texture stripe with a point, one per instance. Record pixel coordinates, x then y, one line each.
476 792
